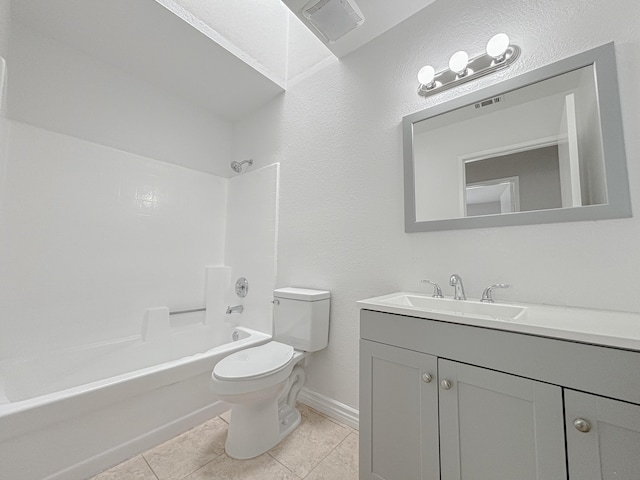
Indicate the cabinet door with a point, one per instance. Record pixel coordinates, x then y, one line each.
606 444
499 426
398 414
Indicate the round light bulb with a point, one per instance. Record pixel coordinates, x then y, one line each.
458 62
498 45
426 75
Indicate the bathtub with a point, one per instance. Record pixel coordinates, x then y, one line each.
75 412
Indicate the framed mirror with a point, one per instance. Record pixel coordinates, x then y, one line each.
546 146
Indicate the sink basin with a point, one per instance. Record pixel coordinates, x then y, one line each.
456 307
441 308
616 329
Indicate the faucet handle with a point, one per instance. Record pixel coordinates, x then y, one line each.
486 294
437 291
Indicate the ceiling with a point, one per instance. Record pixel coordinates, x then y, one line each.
160 43
145 39
379 16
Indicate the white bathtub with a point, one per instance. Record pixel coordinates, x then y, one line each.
73 413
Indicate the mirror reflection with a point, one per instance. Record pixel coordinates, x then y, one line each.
533 148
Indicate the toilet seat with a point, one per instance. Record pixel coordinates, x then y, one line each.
254 362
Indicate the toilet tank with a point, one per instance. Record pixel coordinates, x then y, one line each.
301 318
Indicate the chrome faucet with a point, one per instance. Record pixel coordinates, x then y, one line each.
437 291
235 309
486 294
456 282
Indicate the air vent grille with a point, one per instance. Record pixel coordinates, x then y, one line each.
489 101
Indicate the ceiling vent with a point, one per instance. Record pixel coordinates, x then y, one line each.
489 101
333 18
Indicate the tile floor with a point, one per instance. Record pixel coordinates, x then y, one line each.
319 449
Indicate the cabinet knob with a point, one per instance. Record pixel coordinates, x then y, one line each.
426 378
445 384
582 425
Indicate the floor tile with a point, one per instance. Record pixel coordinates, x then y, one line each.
187 452
310 443
341 463
351 429
134 469
263 467
226 416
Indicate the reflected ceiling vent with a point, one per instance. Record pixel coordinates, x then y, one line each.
489 101
333 18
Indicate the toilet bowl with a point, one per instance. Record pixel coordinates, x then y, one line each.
262 383
262 397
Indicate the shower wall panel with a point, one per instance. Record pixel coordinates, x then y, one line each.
251 239
91 236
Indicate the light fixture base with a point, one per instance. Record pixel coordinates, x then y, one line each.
477 67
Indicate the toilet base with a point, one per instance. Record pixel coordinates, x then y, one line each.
258 425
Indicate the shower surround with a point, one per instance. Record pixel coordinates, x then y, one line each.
97 245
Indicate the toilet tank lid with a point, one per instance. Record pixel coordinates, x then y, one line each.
306 294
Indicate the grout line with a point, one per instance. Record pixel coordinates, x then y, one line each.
322 460
319 462
200 467
150 467
292 472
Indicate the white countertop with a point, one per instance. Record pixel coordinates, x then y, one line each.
600 327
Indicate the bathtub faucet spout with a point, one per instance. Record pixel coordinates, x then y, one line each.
235 309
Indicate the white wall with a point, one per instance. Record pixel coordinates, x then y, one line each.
265 34
4 125
251 239
5 10
338 133
592 175
91 236
305 51
61 89
254 30
5 27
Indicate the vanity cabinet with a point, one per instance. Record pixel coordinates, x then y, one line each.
494 425
603 437
402 406
456 402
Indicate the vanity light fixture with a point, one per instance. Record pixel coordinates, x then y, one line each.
500 53
497 46
458 63
426 76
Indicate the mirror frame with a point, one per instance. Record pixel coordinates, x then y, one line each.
615 164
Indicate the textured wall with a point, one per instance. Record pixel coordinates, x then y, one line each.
64 90
338 135
254 30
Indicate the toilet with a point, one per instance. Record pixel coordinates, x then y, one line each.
262 383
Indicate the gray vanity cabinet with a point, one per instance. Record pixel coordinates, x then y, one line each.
424 418
447 401
498 426
401 406
603 437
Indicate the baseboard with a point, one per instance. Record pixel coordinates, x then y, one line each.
141 444
330 407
